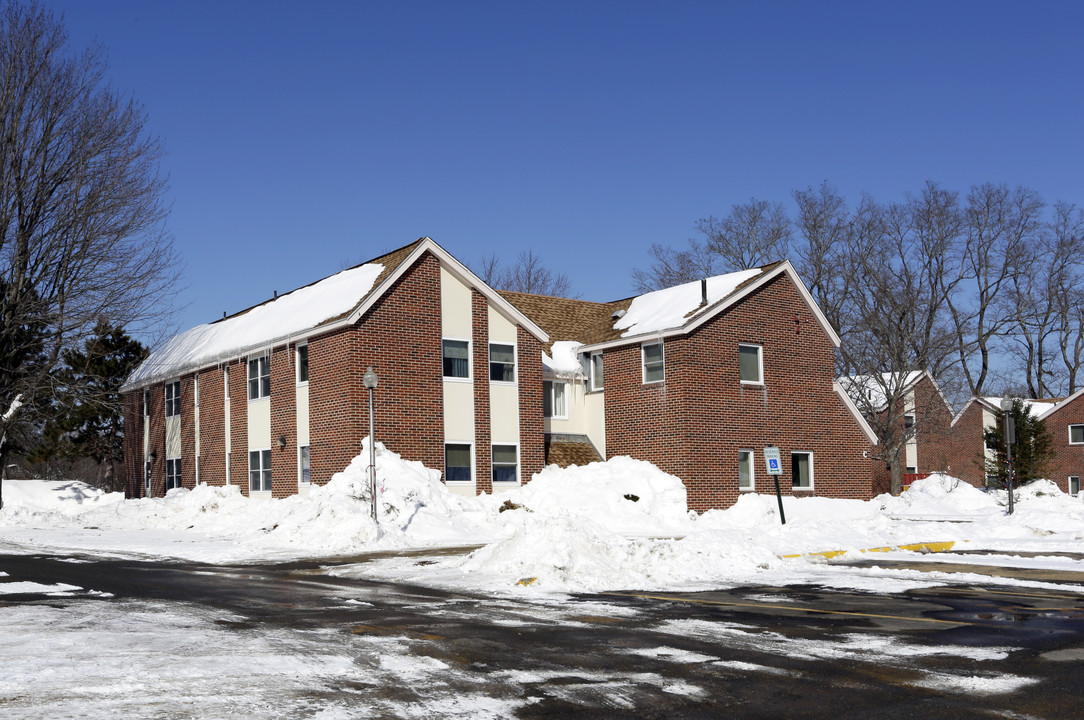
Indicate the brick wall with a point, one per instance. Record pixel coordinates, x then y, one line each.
965 448
933 436
133 444
483 456
694 423
239 424
156 402
283 421
531 425
212 430
188 432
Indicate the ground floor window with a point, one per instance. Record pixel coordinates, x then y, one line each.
801 466
228 467
304 466
1074 485
147 478
457 465
745 469
505 464
554 403
259 471
912 470
173 473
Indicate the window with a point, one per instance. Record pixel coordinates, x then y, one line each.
173 473
1074 485
228 456
173 398
596 374
554 404
909 421
750 364
146 404
911 470
259 471
1076 434
457 463
801 467
147 478
654 367
505 464
302 363
259 378
195 390
226 382
456 358
502 362
745 469
304 465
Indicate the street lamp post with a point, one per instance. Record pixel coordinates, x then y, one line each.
370 380
1010 437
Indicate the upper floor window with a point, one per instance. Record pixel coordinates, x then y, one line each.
751 363
302 363
456 358
554 402
173 398
502 362
1076 434
596 374
909 420
195 390
259 377
226 382
653 361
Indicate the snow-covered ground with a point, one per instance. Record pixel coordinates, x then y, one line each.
621 524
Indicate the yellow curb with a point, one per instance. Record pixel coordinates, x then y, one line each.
910 547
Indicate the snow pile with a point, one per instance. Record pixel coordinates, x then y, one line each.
565 362
620 524
623 495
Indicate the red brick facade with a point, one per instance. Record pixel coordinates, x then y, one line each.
965 447
932 436
1068 458
694 423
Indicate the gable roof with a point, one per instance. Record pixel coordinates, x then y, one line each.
335 301
1058 404
662 313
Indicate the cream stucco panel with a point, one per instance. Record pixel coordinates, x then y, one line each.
455 307
458 412
504 413
259 424
173 436
501 329
302 397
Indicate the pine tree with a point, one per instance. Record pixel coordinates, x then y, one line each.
1031 452
87 414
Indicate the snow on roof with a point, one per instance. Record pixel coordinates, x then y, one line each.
871 388
672 307
565 361
1035 408
286 315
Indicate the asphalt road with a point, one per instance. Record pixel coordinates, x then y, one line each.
749 652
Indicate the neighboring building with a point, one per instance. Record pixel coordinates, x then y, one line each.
1065 423
923 423
700 378
1064 418
489 386
271 399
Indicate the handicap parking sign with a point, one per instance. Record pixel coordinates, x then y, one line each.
771 457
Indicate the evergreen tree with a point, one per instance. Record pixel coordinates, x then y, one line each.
87 413
1031 452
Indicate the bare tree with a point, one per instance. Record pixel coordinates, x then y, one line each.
753 234
825 226
528 275
82 235
674 267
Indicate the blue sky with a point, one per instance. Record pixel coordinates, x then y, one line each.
303 137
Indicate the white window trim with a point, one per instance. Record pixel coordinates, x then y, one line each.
1069 485
643 363
176 463
176 398
473 465
518 461
195 389
1071 433
812 472
258 493
553 404
515 363
593 385
470 361
248 378
226 382
752 471
297 362
300 470
760 363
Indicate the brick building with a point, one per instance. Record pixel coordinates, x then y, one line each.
699 379
1065 423
272 400
489 386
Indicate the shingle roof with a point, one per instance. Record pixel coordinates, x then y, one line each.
567 319
564 453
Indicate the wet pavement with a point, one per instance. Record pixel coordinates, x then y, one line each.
753 651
